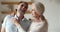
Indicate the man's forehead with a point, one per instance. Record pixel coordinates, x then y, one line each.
22 4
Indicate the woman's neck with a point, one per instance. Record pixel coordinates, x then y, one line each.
37 19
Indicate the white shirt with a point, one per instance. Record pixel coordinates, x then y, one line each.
8 25
11 27
38 27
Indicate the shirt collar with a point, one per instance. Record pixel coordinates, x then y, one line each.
17 17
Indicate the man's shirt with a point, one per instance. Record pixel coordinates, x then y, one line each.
24 23
10 27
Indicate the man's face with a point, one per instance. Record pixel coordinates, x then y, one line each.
22 7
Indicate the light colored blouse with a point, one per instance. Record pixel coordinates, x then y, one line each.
41 26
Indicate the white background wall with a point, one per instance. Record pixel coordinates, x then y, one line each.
52 13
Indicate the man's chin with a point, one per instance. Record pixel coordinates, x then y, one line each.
22 10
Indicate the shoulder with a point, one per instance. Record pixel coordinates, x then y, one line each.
45 23
7 16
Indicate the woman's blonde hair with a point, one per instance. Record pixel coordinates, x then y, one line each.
40 8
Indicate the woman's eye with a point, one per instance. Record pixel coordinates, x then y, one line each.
34 12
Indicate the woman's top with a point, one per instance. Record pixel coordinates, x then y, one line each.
40 26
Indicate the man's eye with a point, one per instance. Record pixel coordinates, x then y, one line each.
21 5
25 6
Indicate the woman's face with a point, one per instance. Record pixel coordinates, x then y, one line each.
34 11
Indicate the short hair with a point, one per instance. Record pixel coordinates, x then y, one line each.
23 2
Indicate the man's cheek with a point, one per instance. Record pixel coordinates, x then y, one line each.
19 8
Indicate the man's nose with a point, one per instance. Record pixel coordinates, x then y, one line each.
23 7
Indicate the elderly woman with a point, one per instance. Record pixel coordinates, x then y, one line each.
39 23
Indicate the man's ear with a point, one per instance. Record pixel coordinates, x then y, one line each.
15 9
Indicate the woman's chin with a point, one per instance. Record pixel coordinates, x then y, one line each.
35 16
